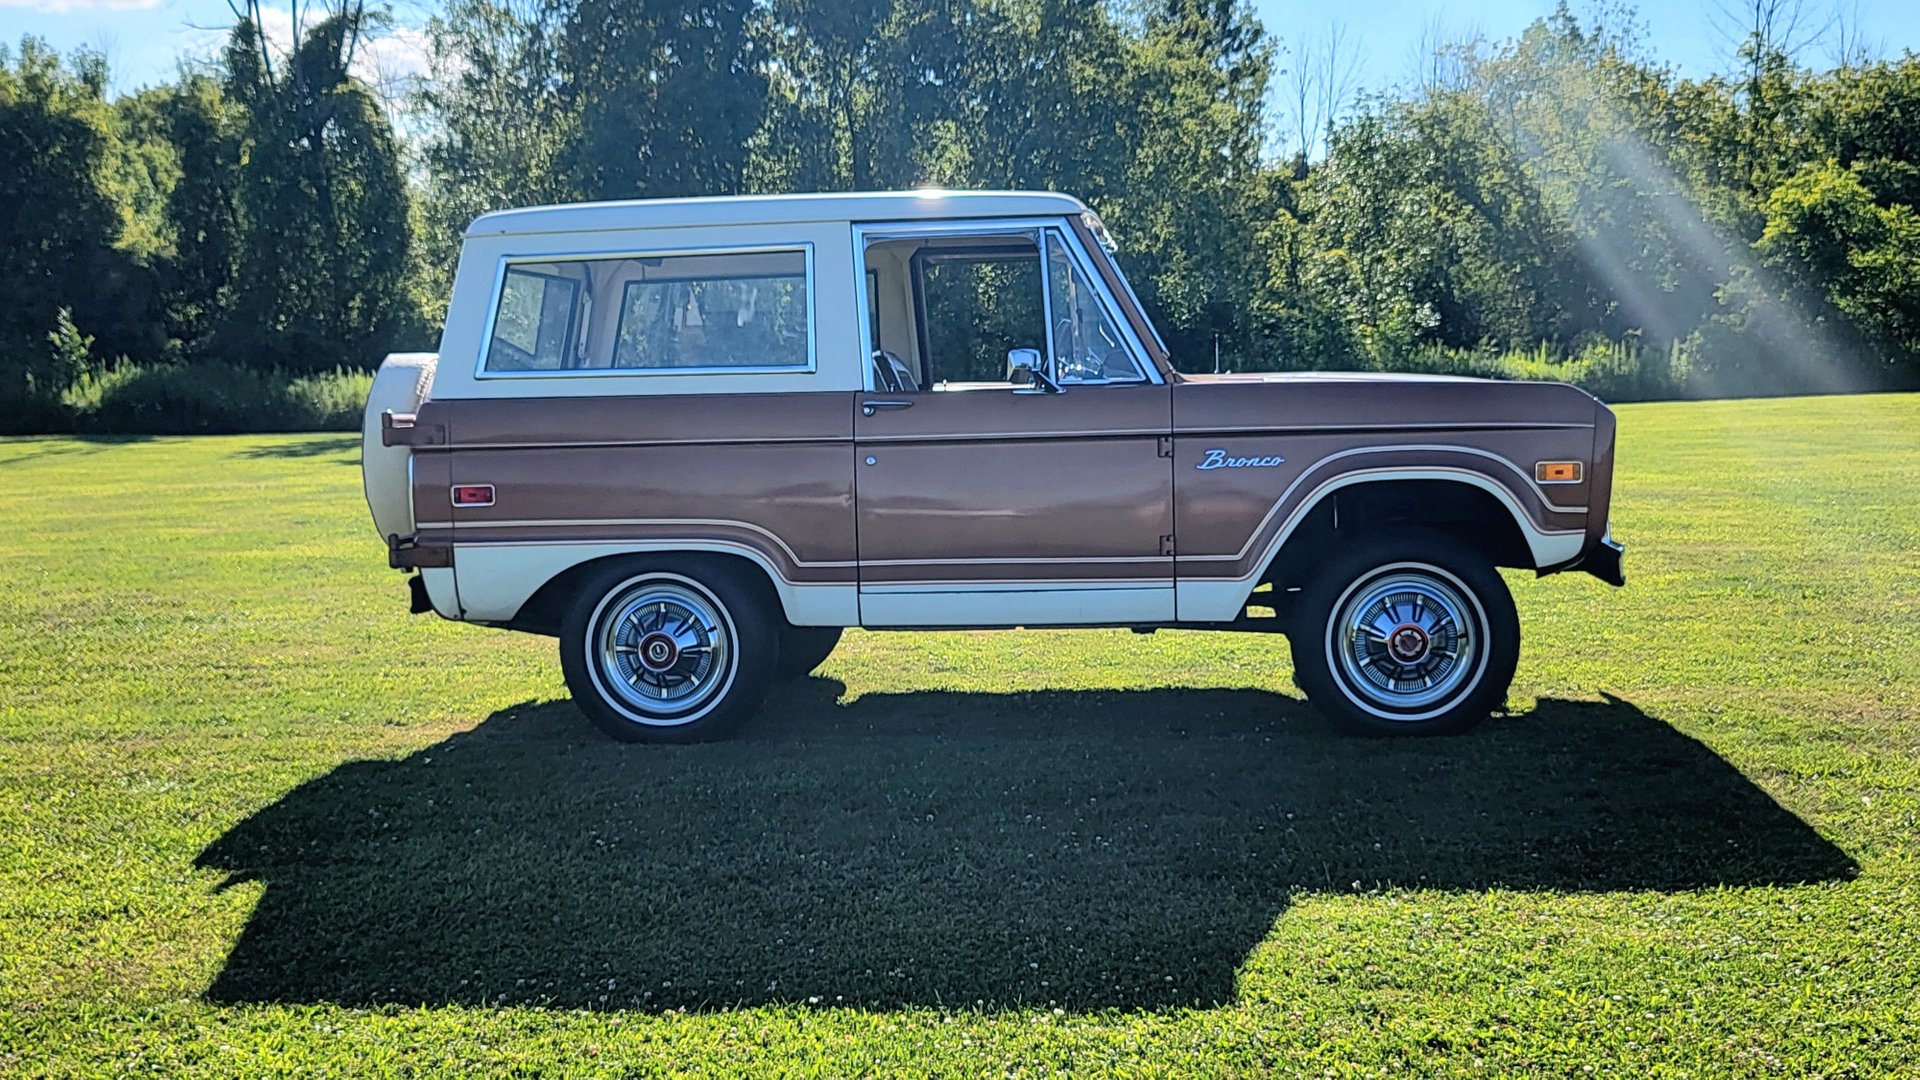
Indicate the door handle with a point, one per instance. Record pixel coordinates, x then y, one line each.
871 407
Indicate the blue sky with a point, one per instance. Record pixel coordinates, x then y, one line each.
140 37
143 38
1686 33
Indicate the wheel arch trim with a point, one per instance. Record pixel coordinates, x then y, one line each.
1222 599
498 578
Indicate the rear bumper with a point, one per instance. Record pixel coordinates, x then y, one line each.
408 553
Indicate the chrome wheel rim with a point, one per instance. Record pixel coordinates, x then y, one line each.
1407 640
664 649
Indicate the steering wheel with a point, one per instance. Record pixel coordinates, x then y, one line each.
1085 361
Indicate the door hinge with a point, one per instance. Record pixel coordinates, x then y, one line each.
1166 446
1166 545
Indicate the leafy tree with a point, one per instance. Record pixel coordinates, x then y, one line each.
539 101
502 133
1867 119
64 210
145 171
1194 193
837 89
1841 250
324 276
203 225
668 94
1547 192
68 356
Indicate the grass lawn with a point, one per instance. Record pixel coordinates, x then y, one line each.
255 819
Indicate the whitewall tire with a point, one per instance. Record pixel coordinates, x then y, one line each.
1410 635
674 650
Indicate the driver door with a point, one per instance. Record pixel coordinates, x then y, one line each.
984 502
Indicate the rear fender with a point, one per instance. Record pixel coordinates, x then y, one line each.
402 383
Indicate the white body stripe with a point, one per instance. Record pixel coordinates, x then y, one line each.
1016 604
497 579
666 522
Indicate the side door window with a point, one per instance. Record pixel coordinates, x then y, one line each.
945 311
976 308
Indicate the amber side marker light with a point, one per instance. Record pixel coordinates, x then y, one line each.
1557 472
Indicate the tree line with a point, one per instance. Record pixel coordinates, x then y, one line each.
1561 204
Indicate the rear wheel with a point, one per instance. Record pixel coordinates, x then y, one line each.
803 648
668 652
1414 634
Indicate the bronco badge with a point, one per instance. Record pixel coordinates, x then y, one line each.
1218 459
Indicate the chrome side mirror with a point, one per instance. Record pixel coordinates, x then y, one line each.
1027 368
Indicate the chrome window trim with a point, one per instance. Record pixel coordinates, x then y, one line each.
863 308
1111 249
505 262
1052 363
865 233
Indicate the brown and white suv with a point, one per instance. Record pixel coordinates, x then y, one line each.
693 439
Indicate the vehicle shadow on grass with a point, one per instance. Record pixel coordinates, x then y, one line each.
23 448
947 848
310 447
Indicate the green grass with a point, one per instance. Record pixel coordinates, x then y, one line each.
254 819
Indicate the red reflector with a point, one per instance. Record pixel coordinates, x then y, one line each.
473 495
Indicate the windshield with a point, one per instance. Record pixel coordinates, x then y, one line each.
1099 230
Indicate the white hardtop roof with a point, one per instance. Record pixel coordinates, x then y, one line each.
924 205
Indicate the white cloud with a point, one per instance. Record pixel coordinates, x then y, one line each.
81 5
392 59
389 58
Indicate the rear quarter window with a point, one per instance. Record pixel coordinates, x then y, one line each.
655 314
533 324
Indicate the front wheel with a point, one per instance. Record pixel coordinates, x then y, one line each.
671 652
1413 635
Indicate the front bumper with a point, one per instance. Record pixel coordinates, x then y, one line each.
1602 560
